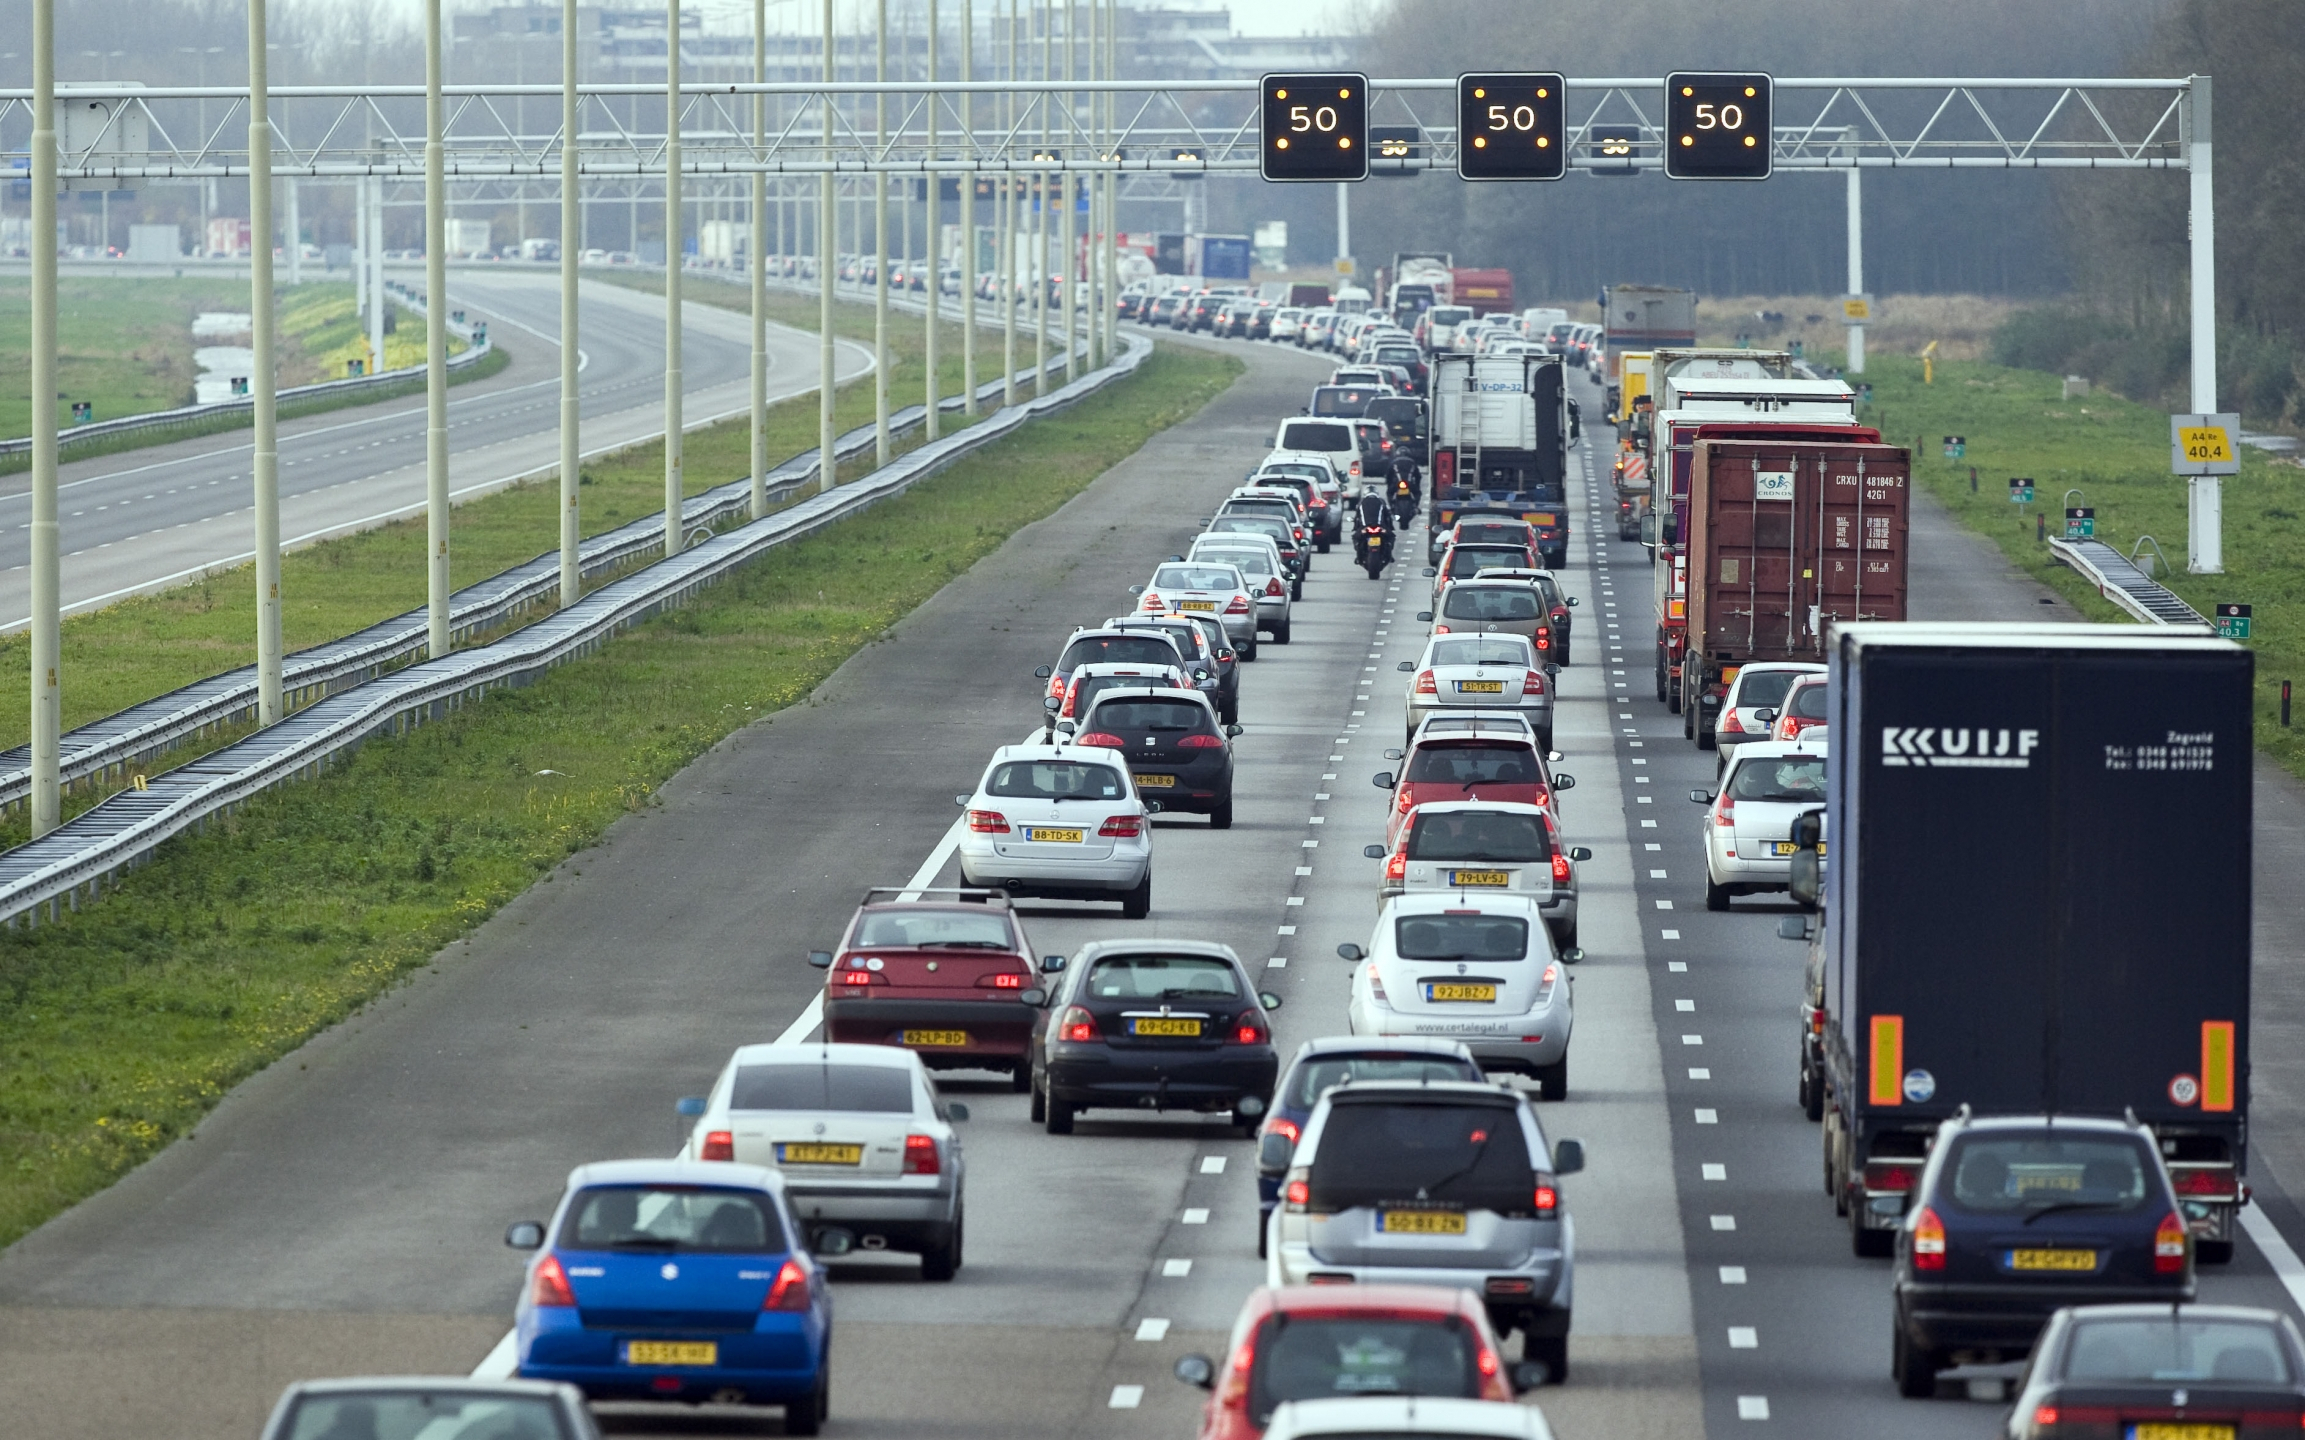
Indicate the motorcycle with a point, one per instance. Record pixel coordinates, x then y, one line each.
1373 548
1404 506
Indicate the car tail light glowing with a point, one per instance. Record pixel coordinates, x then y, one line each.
1397 865
1297 1194
1544 639
920 1157
987 822
1056 686
1151 601
1730 724
1121 827
2045 1417
1076 1024
1890 1177
1240 603
1102 739
861 977
1547 1199
1282 1125
2169 1242
1202 742
1440 629
1005 980
1354 468
1426 685
1560 868
790 1290
1487 1363
1533 683
1725 812
718 1145
1929 1241
1248 1032
1403 800
1273 587
548 1288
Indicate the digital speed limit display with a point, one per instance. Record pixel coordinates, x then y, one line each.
1717 126
1316 127
1511 127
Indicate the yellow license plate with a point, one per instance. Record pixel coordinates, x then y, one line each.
817 1152
671 1352
1785 847
936 1037
1047 836
1480 687
1154 782
1421 1222
1458 990
2178 1430
1480 877
1144 1025
1197 605
2052 1259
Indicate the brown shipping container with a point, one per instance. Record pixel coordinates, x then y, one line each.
1794 538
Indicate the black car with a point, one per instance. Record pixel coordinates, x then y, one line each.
2016 1217
1176 749
1152 1025
1210 651
2133 1370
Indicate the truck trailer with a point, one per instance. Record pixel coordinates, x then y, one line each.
1645 317
1499 441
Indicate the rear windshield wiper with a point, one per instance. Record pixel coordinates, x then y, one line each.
2062 1205
962 945
643 1242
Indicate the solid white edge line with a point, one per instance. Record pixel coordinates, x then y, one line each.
2268 1238
500 1361
807 1022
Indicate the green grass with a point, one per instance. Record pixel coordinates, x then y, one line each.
2117 455
126 1022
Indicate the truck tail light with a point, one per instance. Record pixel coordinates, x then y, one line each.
987 822
2206 1182
2169 1245
1929 1241
1889 1177
1444 468
920 1157
1426 685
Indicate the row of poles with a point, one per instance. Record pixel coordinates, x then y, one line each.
1102 53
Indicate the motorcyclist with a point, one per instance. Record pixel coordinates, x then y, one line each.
1405 470
1404 502
1373 526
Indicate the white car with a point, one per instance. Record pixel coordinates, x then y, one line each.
1288 321
1201 587
1060 823
864 1142
1758 686
1749 820
1476 968
1267 576
1331 439
1493 672
1399 1417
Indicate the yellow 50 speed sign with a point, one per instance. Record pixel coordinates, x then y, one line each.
2203 444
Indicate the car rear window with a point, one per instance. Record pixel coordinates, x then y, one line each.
1309 1081
2011 1174
1481 650
1450 314
1249 562
921 926
1194 577
1323 1357
1272 505
1269 526
1374 1151
1809 702
1056 780
1312 435
1153 715
1474 762
1470 560
1087 689
1765 687
433 1415
1491 602
1782 780
1162 977
2167 1350
1478 835
1138 649
673 1218
809 1084
1493 532
1467 936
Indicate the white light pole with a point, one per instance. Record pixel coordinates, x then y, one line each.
47 624
262 380
674 235
1071 310
758 264
435 340
2205 502
968 212
880 433
1008 227
932 237
827 469
1856 208
571 227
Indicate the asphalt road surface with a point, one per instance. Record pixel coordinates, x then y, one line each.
341 1213
144 519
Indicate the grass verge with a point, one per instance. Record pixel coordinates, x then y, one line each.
2116 454
126 1022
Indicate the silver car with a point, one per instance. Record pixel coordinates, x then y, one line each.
1448 1183
1483 847
1262 570
1202 588
1495 672
1754 688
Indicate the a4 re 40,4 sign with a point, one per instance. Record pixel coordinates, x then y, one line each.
1316 127
1511 127
1717 126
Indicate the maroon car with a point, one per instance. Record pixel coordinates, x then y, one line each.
941 972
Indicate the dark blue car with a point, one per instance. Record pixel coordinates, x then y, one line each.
1320 1064
680 1281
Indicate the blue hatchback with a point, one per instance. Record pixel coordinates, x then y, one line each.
679 1281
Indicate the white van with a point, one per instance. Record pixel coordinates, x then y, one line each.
1332 439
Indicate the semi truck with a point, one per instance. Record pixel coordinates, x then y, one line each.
1500 441
1787 539
1644 317
1487 292
1987 939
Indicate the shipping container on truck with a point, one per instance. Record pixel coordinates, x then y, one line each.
1307 294
1788 540
1488 292
1991 936
1645 317
1499 441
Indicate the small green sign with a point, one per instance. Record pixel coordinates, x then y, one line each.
2233 621
2021 491
1956 446
2080 522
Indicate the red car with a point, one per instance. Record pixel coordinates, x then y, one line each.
1469 758
1316 1342
942 975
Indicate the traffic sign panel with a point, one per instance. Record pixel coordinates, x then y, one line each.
1511 127
2080 522
1717 126
1316 127
2021 490
2203 444
2233 621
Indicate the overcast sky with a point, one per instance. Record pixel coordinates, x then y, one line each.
1250 17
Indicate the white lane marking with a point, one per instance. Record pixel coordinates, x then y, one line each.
1195 1216
806 1023
1278 962
1692 1039
1685 1006
1658 874
1744 1337
1304 869
1708 1117
1732 1274
501 1359
1296 900
1212 1164
1716 1172
1288 929
1724 1222
2277 1252
1669 934
1699 1072
1152 1329
1677 967
1125 1397
1176 1269
1648 824
1749 1407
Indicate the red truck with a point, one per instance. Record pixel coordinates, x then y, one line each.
1488 292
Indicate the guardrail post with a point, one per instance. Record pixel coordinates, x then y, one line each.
263 381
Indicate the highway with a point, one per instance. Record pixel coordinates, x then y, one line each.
341 1212
145 519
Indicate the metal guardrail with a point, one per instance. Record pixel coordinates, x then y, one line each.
2118 579
124 830
474 352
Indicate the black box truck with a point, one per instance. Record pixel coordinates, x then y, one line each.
2035 901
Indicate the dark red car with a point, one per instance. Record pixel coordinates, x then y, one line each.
939 972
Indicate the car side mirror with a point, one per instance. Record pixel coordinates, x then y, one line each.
1551 668
832 1240
1530 1375
1200 674
1268 999
1383 780
1196 1370
1065 727
1767 714
1808 829
1275 1151
1649 530
1352 952
1793 927
1425 615
1572 599
1374 852
1152 807
1553 757
1136 589
1051 964
1580 853
1406 666
961 801
1234 732
821 959
1574 955
1043 672
689 1107
524 1235
1568 1156
1564 782
1052 704
957 1112
1701 797
1431 571
1806 882
1393 754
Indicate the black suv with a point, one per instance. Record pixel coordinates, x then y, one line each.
2017 1216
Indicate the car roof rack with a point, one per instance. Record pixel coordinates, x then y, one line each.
974 894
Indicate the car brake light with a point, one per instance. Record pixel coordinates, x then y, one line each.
1547 1199
920 1157
1151 601
1121 827
2045 1417
1273 587
1544 639
548 1289
1354 468
987 822
1240 603
1397 865
860 977
1725 812
1056 685
1487 1363
1248 1032
1425 683
1551 977
718 1145
1440 629
1533 683
790 1290
1076 1024
1202 742
2169 1244
1282 1125
1560 868
1006 980
1298 1194
1103 739
1929 1241
1730 724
